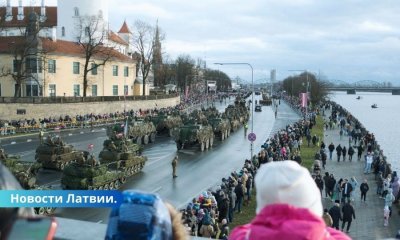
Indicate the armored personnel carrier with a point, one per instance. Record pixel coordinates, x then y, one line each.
24 172
117 162
166 122
233 115
194 134
221 127
55 154
142 132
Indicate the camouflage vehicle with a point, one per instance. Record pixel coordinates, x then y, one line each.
55 154
117 163
211 112
142 132
233 115
221 127
24 172
198 116
165 123
194 134
266 101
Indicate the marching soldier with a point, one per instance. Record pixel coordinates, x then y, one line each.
174 165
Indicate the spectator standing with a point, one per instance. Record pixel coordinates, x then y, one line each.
327 218
331 148
334 212
364 189
348 215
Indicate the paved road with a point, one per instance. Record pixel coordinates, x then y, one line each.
369 216
197 171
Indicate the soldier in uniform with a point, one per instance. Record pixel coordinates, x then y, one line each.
41 133
174 165
112 147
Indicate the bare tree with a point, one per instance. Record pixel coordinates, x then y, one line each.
185 71
144 43
27 54
92 36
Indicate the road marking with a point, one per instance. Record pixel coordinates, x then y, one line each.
157 189
29 140
13 142
100 221
69 134
81 132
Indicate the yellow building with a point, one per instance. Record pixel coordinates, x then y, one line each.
59 72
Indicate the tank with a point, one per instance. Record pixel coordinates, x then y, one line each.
221 127
192 134
24 172
55 154
117 161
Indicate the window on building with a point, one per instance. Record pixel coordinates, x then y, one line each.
0 90
52 66
94 90
115 70
63 31
16 65
77 90
32 90
31 65
76 12
52 90
94 67
126 90
76 67
87 31
115 90
126 71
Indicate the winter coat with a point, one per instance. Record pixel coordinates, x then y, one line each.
339 150
335 213
348 212
327 219
282 221
364 187
239 191
331 147
395 186
206 231
389 198
351 151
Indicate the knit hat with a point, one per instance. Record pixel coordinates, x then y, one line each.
287 182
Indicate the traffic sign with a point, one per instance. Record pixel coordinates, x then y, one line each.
252 137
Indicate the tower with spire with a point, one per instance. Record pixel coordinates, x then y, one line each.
157 58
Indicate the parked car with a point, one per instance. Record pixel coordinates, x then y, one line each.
258 108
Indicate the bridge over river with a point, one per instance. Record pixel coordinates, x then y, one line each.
363 86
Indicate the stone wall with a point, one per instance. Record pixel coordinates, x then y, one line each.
8 111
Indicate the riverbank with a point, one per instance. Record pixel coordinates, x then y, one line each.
369 215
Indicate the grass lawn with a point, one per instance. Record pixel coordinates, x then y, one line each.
248 213
308 153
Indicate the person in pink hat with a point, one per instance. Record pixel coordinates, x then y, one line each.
288 206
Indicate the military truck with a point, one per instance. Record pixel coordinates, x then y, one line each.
55 154
265 101
192 134
221 127
116 163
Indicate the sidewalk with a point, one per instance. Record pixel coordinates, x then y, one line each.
369 216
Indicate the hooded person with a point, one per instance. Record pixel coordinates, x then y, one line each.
288 206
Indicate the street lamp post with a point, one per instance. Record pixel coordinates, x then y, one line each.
252 99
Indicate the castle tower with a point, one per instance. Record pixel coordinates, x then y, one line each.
70 11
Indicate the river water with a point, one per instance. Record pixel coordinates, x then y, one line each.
382 121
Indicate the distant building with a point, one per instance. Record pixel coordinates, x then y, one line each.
59 71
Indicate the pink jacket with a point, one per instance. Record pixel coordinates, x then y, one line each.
282 221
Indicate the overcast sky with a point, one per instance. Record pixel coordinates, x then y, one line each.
345 40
